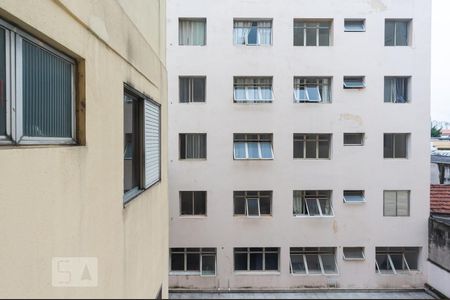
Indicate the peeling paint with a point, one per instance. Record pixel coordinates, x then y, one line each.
377 5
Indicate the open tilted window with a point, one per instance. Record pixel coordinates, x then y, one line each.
252 146
253 89
313 261
394 260
354 82
312 89
252 203
312 204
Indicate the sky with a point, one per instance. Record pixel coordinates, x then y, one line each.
440 61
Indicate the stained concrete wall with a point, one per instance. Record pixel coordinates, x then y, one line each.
68 200
349 167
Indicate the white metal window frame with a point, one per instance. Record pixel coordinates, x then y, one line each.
303 84
363 255
362 28
249 87
263 252
317 202
191 85
258 199
394 137
14 88
305 262
408 192
354 82
258 43
201 253
363 197
391 264
246 143
319 137
317 27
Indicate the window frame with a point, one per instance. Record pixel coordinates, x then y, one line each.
14 38
311 251
247 197
319 137
201 252
246 140
363 27
249 251
363 197
396 203
353 79
318 197
257 27
361 134
317 28
394 136
196 158
191 88
194 19
320 85
258 86
408 89
362 258
193 214
389 251
408 31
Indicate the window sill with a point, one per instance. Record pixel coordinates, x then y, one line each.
353 259
131 195
243 217
252 102
405 273
199 217
314 275
311 159
198 274
257 273
354 202
397 158
241 159
314 217
252 45
192 159
311 102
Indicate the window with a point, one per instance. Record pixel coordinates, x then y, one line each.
396 89
252 146
192 89
313 261
396 203
311 33
256 259
316 146
353 139
396 145
41 81
252 203
354 82
142 144
312 204
193 203
193 146
257 32
354 196
193 261
354 253
192 32
393 260
253 89
312 89
351 25
396 33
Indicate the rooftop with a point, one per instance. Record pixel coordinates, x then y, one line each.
440 198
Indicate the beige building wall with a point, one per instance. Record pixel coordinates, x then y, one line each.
67 201
349 168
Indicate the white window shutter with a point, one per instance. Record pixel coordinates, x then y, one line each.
152 114
390 203
403 203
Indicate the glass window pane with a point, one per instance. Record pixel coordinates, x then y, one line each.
313 93
400 145
239 206
192 32
354 25
208 265
298 36
240 262
300 94
199 203
193 262
329 263
271 261
239 150
401 33
184 90
403 203
353 139
265 206
412 258
311 149
253 93
298 149
186 203
313 209
312 260
256 261
2 83
353 252
199 89
324 149
324 37
266 150
390 203
252 37
253 151
354 196
325 206
389 33
266 93
47 93
253 207
131 142
383 263
388 145
311 37
298 265
397 261
177 262
239 94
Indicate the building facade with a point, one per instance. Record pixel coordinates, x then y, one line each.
299 152
83 142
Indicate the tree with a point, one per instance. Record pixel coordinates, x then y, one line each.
436 130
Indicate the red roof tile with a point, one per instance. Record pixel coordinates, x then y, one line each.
440 198
445 131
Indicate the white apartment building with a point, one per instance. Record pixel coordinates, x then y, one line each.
298 143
